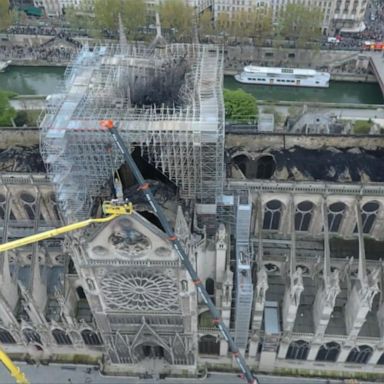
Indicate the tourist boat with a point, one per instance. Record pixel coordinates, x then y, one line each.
294 77
4 64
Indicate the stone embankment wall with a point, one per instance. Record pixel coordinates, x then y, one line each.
11 137
278 141
33 40
236 57
30 137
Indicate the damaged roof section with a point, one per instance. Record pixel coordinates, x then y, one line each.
325 164
21 158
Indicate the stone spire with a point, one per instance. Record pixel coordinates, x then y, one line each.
159 40
122 37
295 281
363 289
8 292
330 285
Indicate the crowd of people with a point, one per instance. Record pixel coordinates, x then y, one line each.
49 54
44 31
60 48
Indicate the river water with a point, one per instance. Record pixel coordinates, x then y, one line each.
46 80
32 80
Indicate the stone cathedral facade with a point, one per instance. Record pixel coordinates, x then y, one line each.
115 294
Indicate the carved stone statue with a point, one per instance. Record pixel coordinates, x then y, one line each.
297 286
372 288
332 288
262 284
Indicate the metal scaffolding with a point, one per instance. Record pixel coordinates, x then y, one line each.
167 101
244 286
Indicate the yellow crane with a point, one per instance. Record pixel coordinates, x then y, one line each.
112 209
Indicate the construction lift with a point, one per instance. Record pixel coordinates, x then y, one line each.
117 208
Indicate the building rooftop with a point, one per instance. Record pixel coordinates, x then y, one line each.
21 159
330 164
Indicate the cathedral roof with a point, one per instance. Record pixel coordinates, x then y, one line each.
20 158
330 164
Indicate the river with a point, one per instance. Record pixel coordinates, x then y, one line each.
32 80
46 80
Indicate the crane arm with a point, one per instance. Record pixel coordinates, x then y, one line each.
113 209
13 370
51 233
177 246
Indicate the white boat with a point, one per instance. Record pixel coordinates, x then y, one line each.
294 77
4 64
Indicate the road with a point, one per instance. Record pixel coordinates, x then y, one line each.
72 374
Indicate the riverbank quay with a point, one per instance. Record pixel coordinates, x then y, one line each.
39 63
38 102
235 57
232 66
337 76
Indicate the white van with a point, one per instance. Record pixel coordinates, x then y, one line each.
332 40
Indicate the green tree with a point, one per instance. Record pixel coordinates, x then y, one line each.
362 127
301 23
223 25
178 16
79 17
260 23
256 24
132 12
238 24
7 113
240 105
5 16
206 23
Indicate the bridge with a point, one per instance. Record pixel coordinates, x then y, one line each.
376 62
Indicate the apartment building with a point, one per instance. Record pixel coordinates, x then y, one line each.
339 15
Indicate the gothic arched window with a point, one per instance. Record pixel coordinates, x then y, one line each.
381 360
328 352
369 212
3 203
31 336
360 354
210 286
335 216
209 345
272 214
298 350
80 293
61 337
90 337
29 204
6 337
303 215
53 205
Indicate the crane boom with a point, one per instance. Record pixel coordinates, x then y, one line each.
177 246
110 208
13 370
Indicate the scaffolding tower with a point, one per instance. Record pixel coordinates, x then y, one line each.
167 101
244 287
